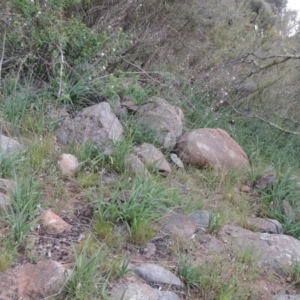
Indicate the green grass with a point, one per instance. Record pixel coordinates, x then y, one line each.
20 214
86 279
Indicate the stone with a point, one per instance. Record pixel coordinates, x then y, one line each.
265 225
9 146
211 244
96 124
211 147
150 155
162 118
176 160
140 291
68 164
245 189
136 166
154 273
149 250
33 281
276 251
288 211
4 200
201 217
286 297
265 182
53 223
168 295
179 226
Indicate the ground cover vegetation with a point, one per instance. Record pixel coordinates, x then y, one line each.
225 64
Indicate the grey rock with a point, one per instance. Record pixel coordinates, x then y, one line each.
265 225
211 244
149 250
140 291
176 160
288 211
9 146
157 274
178 226
168 295
277 251
286 297
97 124
201 217
4 200
150 155
136 166
265 182
162 118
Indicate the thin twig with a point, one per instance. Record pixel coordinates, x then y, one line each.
61 71
2 57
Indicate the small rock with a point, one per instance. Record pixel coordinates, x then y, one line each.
53 223
288 211
286 297
265 182
140 291
201 217
168 295
149 250
4 200
68 164
136 166
179 226
245 189
212 244
265 225
176 160
150 155
157 274
9 146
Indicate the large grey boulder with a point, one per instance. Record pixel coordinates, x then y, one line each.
97 124
164 119
277 251
211 147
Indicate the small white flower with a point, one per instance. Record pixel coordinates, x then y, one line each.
114 49
104 68
102 54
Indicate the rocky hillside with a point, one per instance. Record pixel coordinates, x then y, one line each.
149 151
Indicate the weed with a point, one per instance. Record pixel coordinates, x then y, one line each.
84 280
124 266
21 212
214 222
7 251
142 206
189 273
295 275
